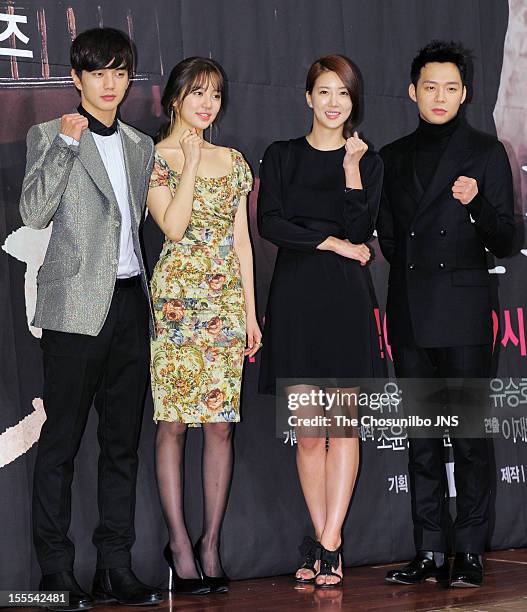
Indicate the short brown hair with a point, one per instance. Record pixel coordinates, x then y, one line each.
348 73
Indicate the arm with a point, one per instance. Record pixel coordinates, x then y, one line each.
148 173
385 231
362 202
492 206
172 213
48 168
243 249
271 223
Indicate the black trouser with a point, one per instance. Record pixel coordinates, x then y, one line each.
428 480
111 367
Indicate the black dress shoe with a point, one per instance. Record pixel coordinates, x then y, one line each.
184 586
65 581
422 567
467 570
121 585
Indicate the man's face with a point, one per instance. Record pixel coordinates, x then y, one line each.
439 92
101 90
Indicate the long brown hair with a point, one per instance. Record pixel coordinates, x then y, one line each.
348 73
187 76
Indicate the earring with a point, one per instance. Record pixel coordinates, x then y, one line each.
172 118
210 133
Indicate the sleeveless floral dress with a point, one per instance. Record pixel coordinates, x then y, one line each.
197 356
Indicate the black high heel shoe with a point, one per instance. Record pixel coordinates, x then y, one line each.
184 586
329 561
310 551
217 584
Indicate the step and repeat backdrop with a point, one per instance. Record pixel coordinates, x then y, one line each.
266 48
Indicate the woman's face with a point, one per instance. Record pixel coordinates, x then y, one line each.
201 106
330 101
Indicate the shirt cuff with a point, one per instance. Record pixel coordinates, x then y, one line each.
69 140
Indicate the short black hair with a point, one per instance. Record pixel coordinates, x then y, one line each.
441 51
101 48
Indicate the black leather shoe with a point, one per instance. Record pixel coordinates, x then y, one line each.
467 570
121 585
422 567
65 581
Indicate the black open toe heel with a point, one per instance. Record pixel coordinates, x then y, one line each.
217 584
329 561
310 551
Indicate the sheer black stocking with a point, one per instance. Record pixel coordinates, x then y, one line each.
170 452
217 471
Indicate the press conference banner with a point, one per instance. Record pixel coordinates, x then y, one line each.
266 48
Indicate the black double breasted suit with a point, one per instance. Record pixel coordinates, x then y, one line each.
439 306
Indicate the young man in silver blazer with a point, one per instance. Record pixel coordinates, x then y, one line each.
88 173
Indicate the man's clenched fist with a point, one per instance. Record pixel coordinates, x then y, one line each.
73 125
465 189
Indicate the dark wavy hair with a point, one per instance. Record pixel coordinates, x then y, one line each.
441 51
102 48
348 73
188 76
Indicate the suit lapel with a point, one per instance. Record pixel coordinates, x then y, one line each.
448 169
406 171
134 161
90 158
418 186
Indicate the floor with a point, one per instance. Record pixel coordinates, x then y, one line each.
505 590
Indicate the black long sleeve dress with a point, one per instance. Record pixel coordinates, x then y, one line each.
319 322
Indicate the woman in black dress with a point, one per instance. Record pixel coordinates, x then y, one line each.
318 202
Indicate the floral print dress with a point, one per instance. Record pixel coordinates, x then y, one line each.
197 356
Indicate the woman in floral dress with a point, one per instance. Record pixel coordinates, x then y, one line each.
203 297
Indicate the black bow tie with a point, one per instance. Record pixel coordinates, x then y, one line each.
95 126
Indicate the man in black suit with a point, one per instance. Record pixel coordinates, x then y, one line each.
447 196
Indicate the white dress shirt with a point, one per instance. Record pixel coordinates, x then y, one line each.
111 152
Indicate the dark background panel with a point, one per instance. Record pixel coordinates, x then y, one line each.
266 48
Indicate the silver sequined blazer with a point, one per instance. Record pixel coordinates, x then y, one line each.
70 186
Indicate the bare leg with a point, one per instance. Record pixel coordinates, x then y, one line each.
310 462
170 450
341 466
217 472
